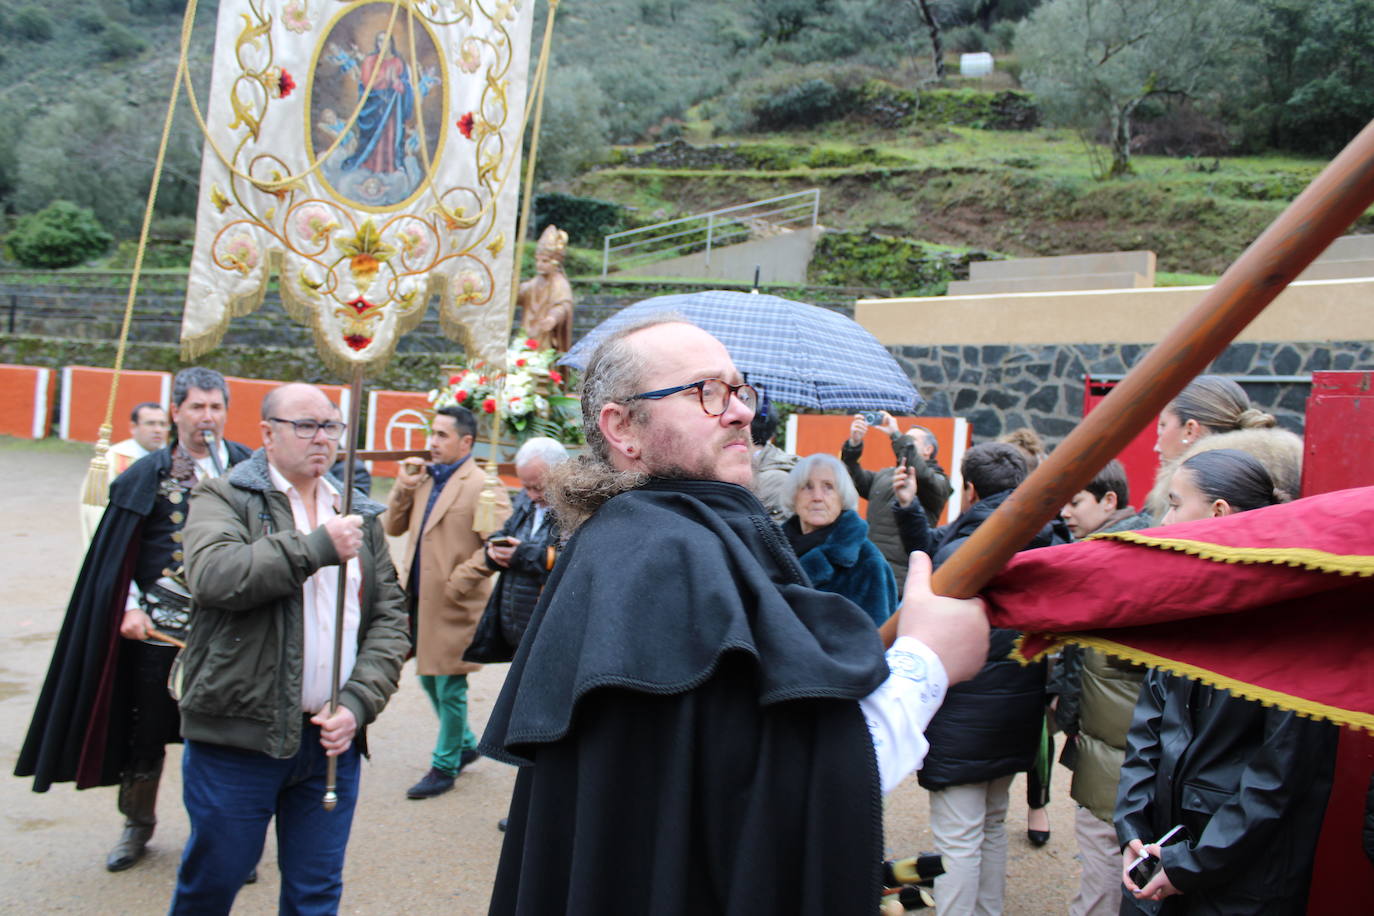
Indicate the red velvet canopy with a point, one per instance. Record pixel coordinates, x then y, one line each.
1274 604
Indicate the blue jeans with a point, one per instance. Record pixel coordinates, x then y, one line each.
231 794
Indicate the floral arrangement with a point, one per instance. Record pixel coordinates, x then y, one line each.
533 397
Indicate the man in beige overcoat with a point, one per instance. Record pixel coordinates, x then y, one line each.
444 575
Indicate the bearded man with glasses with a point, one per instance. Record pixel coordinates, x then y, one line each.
697 729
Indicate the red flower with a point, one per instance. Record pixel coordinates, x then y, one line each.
520 362
455 379
532 343
460 395
482 380
285 84
489 405
555 376
357 341
465 125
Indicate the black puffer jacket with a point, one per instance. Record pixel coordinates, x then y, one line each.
518 588
1248 782
988 726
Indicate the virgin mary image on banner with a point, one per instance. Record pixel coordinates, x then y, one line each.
366 154
379 163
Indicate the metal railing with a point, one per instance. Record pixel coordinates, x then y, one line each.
707 231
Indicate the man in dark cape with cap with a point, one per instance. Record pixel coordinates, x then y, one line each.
697 729
104 715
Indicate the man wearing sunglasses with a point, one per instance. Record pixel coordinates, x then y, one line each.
263 549
693 722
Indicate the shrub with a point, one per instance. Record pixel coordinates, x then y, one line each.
585 219
32 23
812 102
967 39
92 21
900 265
118 42
60 235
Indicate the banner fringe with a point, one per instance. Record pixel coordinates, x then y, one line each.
1311 709
1297 557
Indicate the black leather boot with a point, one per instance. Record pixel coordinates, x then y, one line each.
138 804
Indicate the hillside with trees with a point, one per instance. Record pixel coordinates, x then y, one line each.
1168 124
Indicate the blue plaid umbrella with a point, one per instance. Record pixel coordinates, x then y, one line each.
796 353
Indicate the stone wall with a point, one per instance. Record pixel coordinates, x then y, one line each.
998 388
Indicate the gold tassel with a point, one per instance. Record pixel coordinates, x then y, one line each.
96 491
485 519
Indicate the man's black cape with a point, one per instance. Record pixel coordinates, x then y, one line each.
683 708
73 736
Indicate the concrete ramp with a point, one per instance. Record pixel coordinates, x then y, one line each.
779 258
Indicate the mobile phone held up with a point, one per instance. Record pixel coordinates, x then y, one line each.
1145 867
501 542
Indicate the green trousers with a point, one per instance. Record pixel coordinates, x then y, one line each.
449 695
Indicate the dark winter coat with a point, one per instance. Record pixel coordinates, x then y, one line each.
81 724
848 564
932 492
988 726
1249 783
246 565
684 707
518 585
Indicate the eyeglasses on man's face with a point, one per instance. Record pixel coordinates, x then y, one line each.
713 393
306 429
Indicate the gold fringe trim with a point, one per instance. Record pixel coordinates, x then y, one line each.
1304 557
1350 718
304 313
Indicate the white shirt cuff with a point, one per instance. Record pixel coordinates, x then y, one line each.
898 712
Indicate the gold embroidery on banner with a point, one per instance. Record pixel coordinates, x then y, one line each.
1302 557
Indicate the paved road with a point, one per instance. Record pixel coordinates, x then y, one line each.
430 857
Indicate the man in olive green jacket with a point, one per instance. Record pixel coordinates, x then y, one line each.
263 549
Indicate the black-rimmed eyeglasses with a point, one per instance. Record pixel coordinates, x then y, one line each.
713 393
306 429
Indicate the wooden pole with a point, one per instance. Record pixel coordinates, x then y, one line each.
1334 200
355 413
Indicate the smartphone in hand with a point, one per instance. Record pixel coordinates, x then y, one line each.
1145 867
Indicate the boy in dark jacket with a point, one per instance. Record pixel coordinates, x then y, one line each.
988 729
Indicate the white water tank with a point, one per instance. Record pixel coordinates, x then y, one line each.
979 64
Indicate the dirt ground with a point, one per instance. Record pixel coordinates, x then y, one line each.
436 856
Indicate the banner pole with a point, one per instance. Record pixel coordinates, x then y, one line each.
355 413
1334 200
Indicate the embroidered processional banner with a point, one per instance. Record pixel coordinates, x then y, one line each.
367 153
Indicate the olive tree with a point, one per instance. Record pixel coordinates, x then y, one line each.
1093 63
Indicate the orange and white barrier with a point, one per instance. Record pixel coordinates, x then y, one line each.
26 396
245 407
86 391
396 420
811 433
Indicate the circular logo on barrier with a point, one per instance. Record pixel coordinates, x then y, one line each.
406 429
